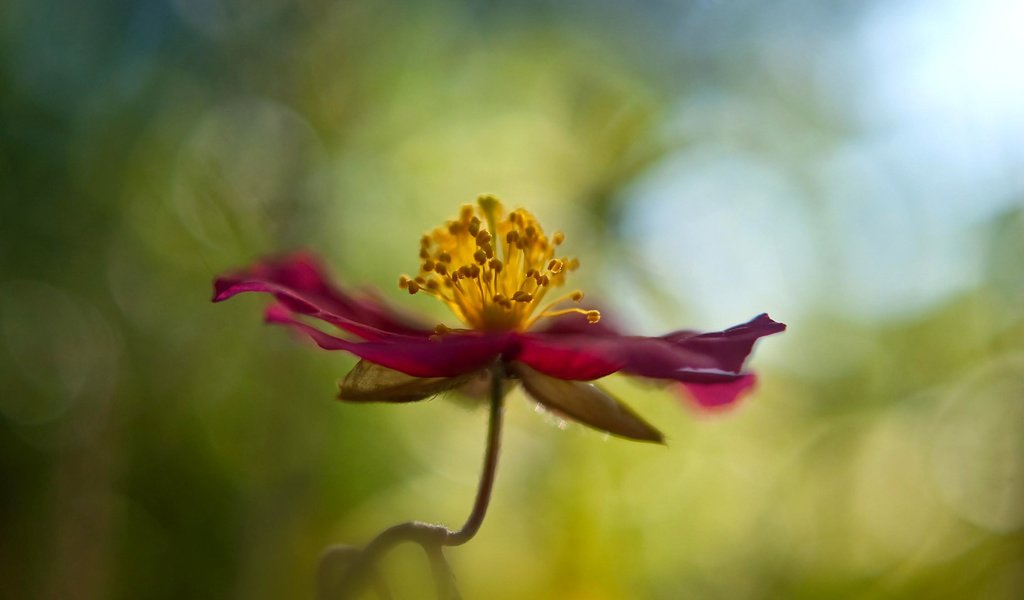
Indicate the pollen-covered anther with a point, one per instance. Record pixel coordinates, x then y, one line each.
494 268
593 316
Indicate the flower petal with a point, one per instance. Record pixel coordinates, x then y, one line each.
369 382
299 282
687 356
585 403
719 395
730 347
448 356
590 357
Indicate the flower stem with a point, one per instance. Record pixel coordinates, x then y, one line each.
430 536
483 493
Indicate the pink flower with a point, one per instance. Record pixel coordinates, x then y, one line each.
496 270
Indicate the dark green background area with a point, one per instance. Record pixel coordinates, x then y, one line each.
154 445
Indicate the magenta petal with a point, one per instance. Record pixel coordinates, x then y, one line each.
719 350
590 357
710 362
555 358
731 347
447 356
719 395
299 283
291 302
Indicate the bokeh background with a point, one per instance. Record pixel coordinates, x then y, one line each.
856 169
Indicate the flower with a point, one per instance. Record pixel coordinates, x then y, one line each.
495 270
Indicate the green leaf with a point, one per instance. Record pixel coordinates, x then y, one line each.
586 403
369 382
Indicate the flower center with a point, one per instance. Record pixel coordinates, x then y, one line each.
493 269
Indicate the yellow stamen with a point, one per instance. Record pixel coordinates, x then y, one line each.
494 268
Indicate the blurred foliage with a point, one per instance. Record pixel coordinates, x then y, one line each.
704 158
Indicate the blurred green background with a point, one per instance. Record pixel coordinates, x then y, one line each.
856 169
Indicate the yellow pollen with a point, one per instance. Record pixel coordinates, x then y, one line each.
493 269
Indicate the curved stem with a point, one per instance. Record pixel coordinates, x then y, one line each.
433 537
483 493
